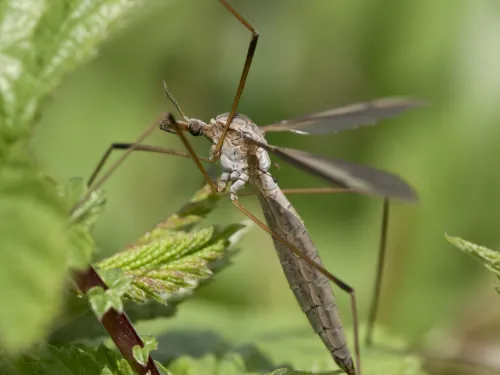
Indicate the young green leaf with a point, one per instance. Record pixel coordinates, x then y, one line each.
193 212
488 257
165 265
89 211
101 301
171 260
81 220
141 354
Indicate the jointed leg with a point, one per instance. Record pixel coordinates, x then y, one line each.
117 163
325 190
244 74
136 147
195 157
316 266
374 305
378 278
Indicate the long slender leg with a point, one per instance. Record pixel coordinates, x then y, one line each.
378 278
125 146
136 146
117 324
195 157
117 163
342 285
374 305
244 74
325 190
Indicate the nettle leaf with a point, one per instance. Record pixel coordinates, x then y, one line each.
286 371
170 261
269 340
70 360
40 42
34 256
229 363
82 220
40 245
141 354
101 301
488 257
86 214
165 263
81 359
199 206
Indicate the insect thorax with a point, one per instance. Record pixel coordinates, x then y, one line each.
240 157
240 124
236 147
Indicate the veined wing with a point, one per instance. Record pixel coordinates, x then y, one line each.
343 118
353 176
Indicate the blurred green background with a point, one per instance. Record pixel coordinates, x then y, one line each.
312 55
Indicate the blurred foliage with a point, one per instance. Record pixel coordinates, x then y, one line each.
311 56
40 43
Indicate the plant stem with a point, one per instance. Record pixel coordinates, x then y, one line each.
119 327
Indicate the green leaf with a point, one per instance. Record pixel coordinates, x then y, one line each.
141 354
268 341
170 261
116 280
198 207
230 363
81 359
286 371
39 245
86 214
101 302
69 360
489 258
41 41
165 264
163 370
82 220
167 273
34 256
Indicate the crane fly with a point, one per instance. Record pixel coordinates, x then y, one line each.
243 152
245 159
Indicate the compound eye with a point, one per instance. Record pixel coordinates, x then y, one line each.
195 127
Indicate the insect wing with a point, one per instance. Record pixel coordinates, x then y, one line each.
344 118
353 176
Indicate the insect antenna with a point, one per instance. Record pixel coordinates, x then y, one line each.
174 101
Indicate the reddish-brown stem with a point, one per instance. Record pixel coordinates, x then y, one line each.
117 324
